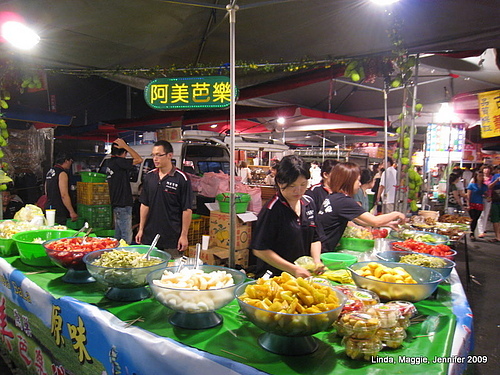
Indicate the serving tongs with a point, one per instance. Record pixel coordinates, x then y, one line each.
84 238
395 246
153 244
197 257
182 262
82 229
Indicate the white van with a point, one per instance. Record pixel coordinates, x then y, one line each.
198 153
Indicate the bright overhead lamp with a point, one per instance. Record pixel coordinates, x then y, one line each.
213 126
19 35
280 120
384 2
446 113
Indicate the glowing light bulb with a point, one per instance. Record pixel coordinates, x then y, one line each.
19 35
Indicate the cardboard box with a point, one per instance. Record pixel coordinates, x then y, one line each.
218 256
220 231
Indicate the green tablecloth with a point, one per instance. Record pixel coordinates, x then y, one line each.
236 338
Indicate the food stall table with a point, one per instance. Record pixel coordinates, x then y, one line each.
55 326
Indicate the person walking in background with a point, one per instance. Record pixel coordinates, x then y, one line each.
339 207
467 175
118 169
57 189
454 198
482 223
244 172
315 172
269 179
494 186
286 227
319 191
475 191
366 180
387 187
377 173
166 201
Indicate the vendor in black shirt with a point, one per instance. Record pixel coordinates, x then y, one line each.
339 207
286 227
166 200
319 192
118 168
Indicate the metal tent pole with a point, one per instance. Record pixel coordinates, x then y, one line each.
231 9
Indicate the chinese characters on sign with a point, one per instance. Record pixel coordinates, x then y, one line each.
189 93
489 111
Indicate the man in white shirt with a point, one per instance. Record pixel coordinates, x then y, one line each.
387 189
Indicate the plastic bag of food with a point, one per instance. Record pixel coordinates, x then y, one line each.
30 213
306 262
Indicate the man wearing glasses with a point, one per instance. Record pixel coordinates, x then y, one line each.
166 200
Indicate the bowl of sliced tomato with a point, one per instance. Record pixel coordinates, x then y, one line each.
68 253
440 250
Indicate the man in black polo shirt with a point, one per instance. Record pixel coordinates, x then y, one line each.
166 201
118 169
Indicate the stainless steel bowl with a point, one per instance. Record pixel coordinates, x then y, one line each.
291 325
194 301
427 281
395 256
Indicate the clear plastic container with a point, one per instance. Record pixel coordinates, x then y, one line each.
406 308
358 325
392 337
368 297
353 305
388 315
362 349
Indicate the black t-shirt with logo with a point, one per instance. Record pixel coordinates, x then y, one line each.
318 193
118 178
280 229
167 199
337 210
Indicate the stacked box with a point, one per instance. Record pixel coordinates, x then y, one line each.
98 216
198 228
218 256
220 231
92 193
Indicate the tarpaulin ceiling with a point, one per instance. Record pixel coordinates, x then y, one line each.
144 34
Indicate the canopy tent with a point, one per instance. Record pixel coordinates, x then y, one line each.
149 33
106 38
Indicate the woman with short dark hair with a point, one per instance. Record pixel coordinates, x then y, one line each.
340 207
286 228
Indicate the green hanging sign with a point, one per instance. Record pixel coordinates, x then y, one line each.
213 92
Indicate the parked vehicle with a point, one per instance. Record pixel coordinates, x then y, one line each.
198 153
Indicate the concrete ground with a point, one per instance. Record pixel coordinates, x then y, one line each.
483 295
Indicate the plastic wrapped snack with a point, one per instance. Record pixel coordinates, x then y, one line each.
362 349
368 297
389 316
407 310
357 325
392 337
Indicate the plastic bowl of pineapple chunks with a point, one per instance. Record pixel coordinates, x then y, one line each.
396 281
